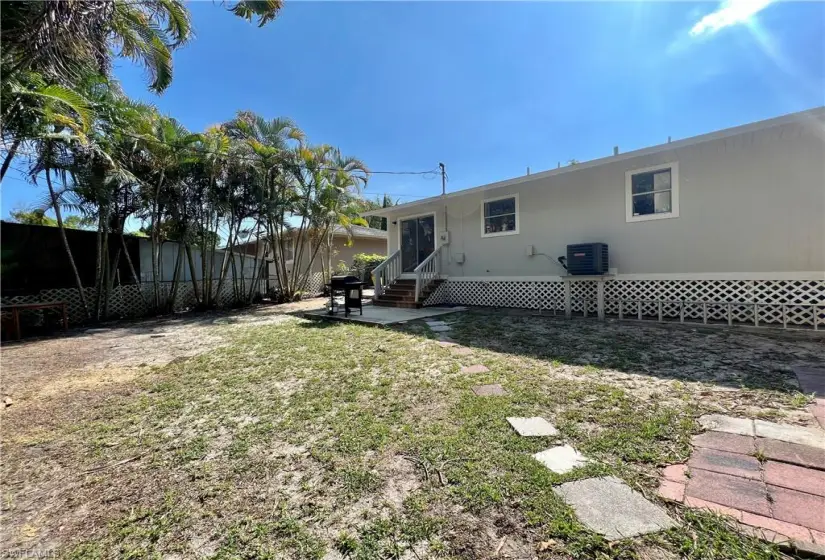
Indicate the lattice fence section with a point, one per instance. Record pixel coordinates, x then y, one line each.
754 302
315 284
787 303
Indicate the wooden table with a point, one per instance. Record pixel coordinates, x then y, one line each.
16 308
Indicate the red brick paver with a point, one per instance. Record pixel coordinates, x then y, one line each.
779 500
716 508
676 473
796 478
727 490
791 453
724 462
798 507
789 530
673 491
722 441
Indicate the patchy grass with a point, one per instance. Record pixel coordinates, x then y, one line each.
304 439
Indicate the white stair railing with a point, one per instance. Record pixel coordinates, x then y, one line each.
426 272
386 273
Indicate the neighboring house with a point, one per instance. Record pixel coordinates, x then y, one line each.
724 226
347 242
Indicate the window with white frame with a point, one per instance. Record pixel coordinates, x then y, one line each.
499 216
652 193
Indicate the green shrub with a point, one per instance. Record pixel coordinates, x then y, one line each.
363 263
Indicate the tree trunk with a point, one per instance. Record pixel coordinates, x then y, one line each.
65 240
9 158
173 291
132 270
110 282
191 262
155 239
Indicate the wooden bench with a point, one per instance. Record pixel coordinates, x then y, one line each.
16 308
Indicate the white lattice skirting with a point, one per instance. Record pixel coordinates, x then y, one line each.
783 303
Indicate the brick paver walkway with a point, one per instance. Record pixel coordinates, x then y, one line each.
772 486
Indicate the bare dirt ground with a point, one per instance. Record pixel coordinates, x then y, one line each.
118 351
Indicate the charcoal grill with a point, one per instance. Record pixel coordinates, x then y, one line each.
351 288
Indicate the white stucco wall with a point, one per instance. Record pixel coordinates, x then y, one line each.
753 202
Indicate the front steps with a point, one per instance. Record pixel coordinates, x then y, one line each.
402 294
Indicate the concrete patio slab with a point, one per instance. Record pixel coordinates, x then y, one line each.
611 508
376 315
811 380
494 390
535 426
561 459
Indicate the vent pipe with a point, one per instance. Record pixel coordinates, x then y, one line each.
615 150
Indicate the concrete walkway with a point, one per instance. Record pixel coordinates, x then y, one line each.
769 477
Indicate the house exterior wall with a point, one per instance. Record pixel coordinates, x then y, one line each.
749 203
344 253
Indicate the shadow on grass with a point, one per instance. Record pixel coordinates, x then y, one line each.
724 357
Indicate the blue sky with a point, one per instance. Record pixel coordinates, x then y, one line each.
491 88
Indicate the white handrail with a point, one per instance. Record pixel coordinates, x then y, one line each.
426 272
386 273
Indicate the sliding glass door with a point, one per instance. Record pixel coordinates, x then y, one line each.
417 241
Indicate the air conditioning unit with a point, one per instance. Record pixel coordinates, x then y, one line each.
587 259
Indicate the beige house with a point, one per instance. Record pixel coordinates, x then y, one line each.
728 225
346 244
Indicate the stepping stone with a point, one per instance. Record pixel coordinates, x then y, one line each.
440 328
611 508
811 380
561 459
462 351
446 343
494 390
478 368
436 324
533 427
811 437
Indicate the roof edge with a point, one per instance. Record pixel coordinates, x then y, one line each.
798 116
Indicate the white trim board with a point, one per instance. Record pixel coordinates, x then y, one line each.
799 117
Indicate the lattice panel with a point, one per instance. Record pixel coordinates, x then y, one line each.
774 302
506 293
440 295
315 284
584 292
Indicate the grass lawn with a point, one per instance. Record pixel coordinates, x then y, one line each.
306 439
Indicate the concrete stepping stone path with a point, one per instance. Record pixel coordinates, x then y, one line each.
561 459
608 506
535 426
478 368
